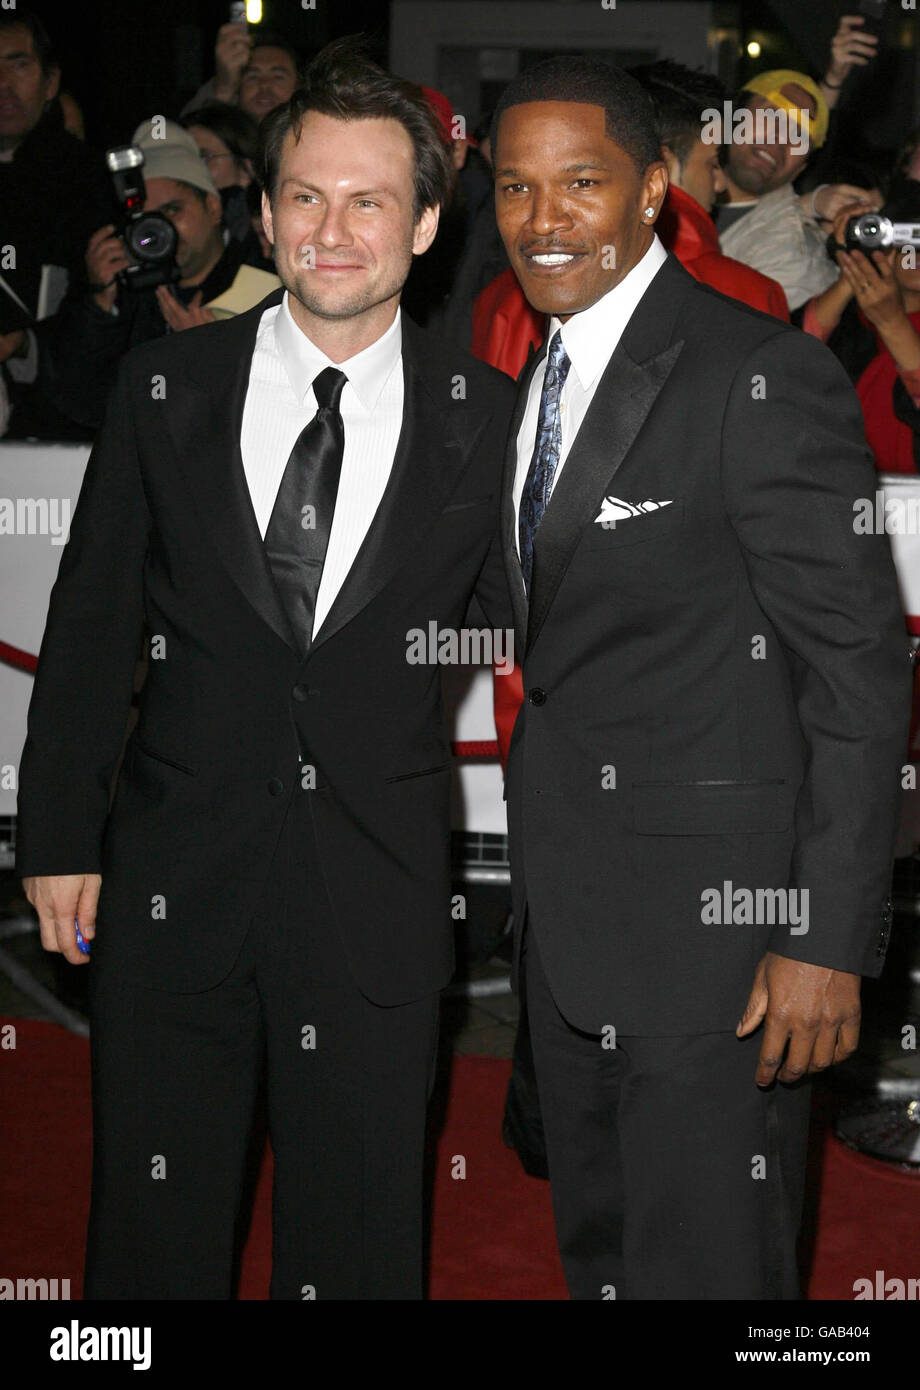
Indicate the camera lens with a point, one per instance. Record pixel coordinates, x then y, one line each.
151 239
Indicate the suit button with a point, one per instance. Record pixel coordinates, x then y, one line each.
300 692
275 786
537 696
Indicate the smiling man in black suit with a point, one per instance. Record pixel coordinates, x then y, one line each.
285 497
703 778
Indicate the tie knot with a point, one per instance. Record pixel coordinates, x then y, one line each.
557 361
327 388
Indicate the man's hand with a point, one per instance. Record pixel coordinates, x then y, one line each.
851 47
106 255
813 1009
59 899
828 202
180 316
231 54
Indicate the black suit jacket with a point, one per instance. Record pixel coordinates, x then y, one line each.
164 530
717 691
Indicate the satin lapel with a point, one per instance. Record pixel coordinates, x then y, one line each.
533 364
205 419
431 452
625 394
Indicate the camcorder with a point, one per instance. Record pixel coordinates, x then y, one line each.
149 236
873 232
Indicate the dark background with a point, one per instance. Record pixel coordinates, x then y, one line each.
124 60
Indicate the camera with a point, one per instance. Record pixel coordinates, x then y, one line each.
149 236
873 232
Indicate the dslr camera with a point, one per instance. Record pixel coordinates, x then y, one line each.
149 236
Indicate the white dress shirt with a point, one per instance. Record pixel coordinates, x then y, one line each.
280 402
589 339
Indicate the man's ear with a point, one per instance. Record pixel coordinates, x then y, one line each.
654 190
425 229
672 163
268 225
215 208
52 83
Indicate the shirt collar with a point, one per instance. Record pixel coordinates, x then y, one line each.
367 372
591 336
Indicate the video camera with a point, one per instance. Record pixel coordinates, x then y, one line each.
873 232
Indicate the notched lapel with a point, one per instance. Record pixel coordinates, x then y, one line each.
432 451
625 394
205 420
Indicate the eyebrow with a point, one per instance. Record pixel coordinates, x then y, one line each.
358 193
578 168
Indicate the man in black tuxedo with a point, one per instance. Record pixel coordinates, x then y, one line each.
286 497
703 778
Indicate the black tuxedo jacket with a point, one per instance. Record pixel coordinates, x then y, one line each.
164 530
716 692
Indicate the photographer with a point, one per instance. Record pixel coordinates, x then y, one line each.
53 191
83 344
876 303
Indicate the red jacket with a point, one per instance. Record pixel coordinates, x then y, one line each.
891 441
505 327
687 230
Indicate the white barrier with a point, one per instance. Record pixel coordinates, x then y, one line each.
39 485
899 515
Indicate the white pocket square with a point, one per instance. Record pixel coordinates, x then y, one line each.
614 509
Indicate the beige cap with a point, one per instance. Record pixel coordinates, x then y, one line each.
171 153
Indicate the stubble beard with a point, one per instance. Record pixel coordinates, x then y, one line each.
341 305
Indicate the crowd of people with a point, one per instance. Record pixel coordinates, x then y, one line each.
762 219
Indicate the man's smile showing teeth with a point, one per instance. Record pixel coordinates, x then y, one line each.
550 262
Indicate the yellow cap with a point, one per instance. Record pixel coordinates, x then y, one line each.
769 85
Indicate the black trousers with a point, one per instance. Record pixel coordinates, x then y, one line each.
673 1176
175 1077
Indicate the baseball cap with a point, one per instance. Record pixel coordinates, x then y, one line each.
769 85
171 153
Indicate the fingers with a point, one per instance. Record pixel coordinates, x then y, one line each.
56 901
824 1051
799 1055
847 1038
775 1037
87 905
756 1005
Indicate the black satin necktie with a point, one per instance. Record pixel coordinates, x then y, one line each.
298 530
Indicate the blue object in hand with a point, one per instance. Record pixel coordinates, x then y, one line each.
82 943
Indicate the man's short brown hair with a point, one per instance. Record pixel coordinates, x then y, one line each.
344 83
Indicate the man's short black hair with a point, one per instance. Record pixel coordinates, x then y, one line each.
629 113
680 96
26 19
268 38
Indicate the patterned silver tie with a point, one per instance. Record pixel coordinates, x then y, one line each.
539 481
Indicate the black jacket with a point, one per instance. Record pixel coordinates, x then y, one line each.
716 691
164 530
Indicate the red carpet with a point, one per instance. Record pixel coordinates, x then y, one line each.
492 1235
